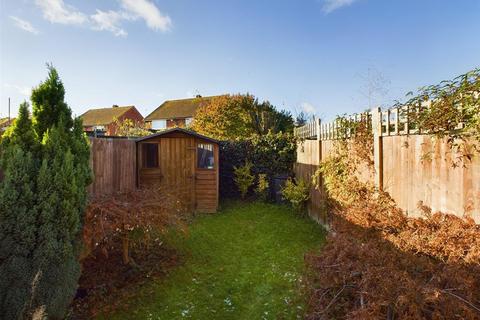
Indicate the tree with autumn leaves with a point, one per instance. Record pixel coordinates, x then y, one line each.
233 117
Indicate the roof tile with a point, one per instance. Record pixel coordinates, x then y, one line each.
182 108
103 116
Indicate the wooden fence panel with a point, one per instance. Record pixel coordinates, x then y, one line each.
420 168
409 163
113 162
310 153
308 160
414 168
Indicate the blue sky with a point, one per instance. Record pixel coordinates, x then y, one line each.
314 55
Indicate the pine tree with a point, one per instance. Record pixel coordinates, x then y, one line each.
42 201
62 180
48 102
60 209
21 133
18 227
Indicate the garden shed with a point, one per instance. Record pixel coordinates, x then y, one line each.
178 159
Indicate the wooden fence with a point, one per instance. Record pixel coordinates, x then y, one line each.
113 162
411 166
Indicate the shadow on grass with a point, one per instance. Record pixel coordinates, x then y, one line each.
245 262
359 274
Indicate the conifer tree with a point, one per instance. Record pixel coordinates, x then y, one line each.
21 133
18 227
61 203
48 103
42 200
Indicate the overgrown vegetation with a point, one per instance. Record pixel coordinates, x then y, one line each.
262 188
297 192
42 201
244 178
130 128
144 215
234 117
450 109
442 108
379 263
124 244
270 154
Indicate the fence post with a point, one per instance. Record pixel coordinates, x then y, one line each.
317 129
377 146
319 140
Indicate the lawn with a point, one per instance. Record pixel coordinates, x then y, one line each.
244 262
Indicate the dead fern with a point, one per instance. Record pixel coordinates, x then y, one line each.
379 263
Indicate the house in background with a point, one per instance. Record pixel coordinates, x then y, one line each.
175 113
5 123
102 121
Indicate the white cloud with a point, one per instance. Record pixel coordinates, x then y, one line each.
332 5
56 11
24 91
109 21
24 25
149 12
308 108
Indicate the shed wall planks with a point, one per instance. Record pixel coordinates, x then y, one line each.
178 169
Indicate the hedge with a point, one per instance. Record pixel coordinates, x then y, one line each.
271 154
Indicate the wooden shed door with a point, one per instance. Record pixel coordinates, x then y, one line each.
206 185
177 167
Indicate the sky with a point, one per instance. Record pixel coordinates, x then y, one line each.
318 56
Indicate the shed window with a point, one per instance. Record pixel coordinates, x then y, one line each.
205 158
150 155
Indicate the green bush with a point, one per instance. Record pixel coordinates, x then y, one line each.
272 154
262 187
45 161
297 193
244 178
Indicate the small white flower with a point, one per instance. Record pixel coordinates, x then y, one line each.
227 301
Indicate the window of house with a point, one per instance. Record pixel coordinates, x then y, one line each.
159 124
150 155
188 121
205 157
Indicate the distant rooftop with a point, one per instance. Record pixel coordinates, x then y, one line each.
103 116
181 108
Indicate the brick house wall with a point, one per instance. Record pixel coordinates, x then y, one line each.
132 114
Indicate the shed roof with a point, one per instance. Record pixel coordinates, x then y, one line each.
189 132
103 116
181 108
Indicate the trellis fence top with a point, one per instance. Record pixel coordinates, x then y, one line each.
393 121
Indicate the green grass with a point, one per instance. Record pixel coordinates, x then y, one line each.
244 262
